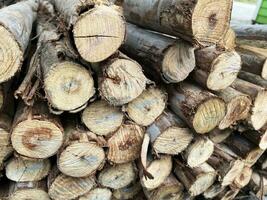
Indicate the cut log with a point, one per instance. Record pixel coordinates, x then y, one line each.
171 188
125 144
218 136
19 169
118 176
122 80
36 133
228 194
66 188
188 20
199 108
128 192
159 170
196 180
147 107
251 32
238 106
219 67
259 110
214 191
253 78
199 151
105 34
102 118
243 179
28 191
16 26
172 59
97 193
229 40
256 137
168 134
253 60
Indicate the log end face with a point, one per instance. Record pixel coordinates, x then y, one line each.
30 194
263 141
264 70
243 179
259 110
235 170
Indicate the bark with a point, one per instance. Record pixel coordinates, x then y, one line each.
16 26
118 176
228 194
102 118
199 108
196 180
168 134
106 32
257 137
253 78
229 40
218 68
36 133
218 136
171 59
251 32
122 80
146 108
187 20
97 193
128 192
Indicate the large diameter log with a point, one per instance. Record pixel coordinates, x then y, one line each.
147 107
168 134
122 80
36 133
4 3
188 20
172 59
220 67
106 31
238 106
196 180
214 191
19 169
129 191
159 169
229 40
199 108
66 188
16 26
97 193
125 144
171 188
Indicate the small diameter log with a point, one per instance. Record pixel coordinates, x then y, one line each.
229 40
214 191
217 68
19 169
159 170
256 137
147 107
186 20
105 34
168 134
227 166
218 136
118 176
128 192
228 194
122 80
66 188
258 184
97 193
102 118
250 32
199 151
28 191
259 95
172 59
199 108
125 144
36 133
253 78
243 179
15 30
196 180
238 106
171 188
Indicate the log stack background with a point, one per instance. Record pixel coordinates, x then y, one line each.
132 99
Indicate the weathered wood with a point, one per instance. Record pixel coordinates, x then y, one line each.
251 32
243 179
129 191
16 25
257 137
253 78
168 134
258 184
188 20
218 136
106 32
199 108
147 107
97 193
170 58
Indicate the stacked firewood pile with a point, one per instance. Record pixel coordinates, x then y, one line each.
133 99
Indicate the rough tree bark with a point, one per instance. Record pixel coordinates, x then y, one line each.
257 137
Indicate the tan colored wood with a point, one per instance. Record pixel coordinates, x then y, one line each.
243 179
97 193
253 78
258 184
229 40
218 136
128 192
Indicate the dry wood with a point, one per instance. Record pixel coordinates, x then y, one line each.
243 179
106 31
199 108
15 30
256 137
218 67
229 40
97 193
117 176
168 134
218 136
122 80
189 20
147 107
258 184
36 133
196 180
125 144
251 32
253 78
172 59
128 192
214 191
